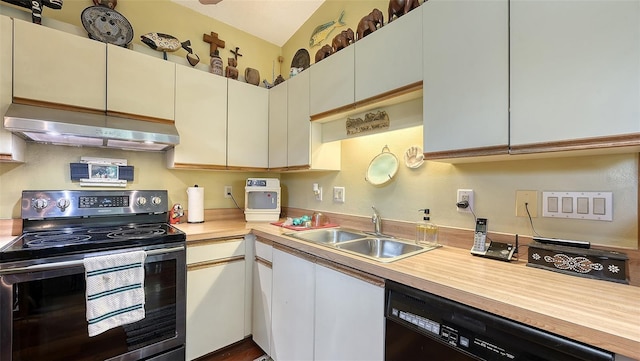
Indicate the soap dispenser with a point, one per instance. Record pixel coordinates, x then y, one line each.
426 232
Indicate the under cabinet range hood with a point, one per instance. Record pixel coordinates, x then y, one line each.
65 127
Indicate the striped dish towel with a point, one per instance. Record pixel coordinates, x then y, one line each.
115 290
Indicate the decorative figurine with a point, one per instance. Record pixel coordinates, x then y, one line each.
343 40
370 23
401 7
176 213
165 42
322 31
217 66
324 52
232 71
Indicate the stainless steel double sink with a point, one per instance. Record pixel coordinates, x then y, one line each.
379 248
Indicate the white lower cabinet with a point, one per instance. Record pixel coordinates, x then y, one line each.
292 307
215 295
262 286
323 311
349 316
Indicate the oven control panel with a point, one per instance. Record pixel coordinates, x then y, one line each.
87 203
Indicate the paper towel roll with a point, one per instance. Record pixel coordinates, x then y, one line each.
195 198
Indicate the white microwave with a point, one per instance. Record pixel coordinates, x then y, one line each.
262 200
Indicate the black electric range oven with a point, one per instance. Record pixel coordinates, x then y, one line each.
43 312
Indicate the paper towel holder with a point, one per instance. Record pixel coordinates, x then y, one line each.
195 211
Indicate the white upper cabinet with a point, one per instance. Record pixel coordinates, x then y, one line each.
299 124
389 58
201 120
332 82
11 146
247 126
278 132
575 70
139 84
52 66
466 75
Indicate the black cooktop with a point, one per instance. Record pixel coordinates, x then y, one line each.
83 239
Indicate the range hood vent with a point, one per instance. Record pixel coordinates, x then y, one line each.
65 127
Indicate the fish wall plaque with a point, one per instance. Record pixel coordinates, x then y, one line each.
322 31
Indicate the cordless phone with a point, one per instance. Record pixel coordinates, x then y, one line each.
480 237
495 250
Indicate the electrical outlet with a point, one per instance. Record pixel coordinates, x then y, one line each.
465 195
228 190
338 194
531 200
318 194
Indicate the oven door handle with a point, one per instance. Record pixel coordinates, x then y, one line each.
75 263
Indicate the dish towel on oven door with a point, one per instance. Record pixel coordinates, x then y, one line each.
115 290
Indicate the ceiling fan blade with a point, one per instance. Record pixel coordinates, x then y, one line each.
209 2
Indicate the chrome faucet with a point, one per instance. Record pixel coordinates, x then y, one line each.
377 221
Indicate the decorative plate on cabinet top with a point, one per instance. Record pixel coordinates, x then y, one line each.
107 25
413 157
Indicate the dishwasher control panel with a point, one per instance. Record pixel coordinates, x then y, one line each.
474 332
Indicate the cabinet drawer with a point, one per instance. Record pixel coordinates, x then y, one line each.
214 249
264 251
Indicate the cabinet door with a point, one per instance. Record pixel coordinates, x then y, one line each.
575 67
278 131
248 126
215 295
349 313
139 84
56 67
390 57
292 307
465 92
299 124
201 118
215 307
11 146
332 81
261 315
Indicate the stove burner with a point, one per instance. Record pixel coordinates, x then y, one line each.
104 230
56 240
139 233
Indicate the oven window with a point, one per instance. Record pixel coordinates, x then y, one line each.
49 318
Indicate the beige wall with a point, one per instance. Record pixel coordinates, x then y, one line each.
434 186
47 167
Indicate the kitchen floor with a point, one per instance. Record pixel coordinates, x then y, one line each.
245 350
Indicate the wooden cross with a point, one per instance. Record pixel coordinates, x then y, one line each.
213 41
236 53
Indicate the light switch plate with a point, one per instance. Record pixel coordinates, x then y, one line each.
338 194
579 205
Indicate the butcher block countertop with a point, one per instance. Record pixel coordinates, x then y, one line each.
600 313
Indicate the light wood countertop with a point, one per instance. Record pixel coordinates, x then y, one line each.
600 313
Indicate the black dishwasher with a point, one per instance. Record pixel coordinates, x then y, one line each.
423 326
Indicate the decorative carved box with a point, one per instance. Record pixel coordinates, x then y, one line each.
590 263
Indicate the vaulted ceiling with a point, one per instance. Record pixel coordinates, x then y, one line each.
272 20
